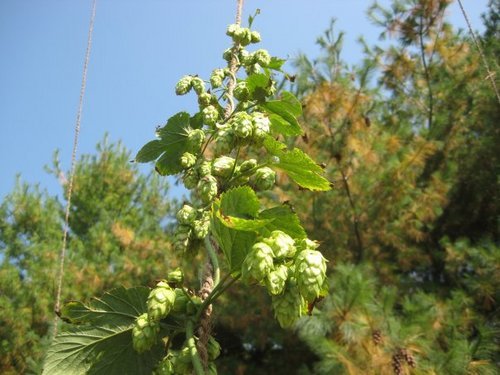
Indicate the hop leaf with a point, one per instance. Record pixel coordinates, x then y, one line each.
310 272
186 215
258 263
288 307
223 166
144 333
276 280
184 85
265 178
210 115
207 189
160 301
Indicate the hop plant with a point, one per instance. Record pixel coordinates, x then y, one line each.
190 179
196 138
207 188
264 178
282 244
242 125
186 215
261 57
181 238
181 301
198 85
310 272
176 276
225 141
184 85
261 126
188 160
248 165
160 301
204 168
165 367
223 166
255 37
201 227
241 91
204 99
288 306
144 333
213 349
210 115
276 280
217 78
258 263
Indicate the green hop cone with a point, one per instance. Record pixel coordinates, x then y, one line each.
262 57
144 333
213 349
261 126
276 280
207 188
307 244
184 85
288 306
201 227
223 166
204 99
176 276
198 85
255 37
242 125
160 301
253 69
242 36
190 179
241 91
225 140
248 165
310 271
245 57
186 215
182 362
181 238
195 140
231 29
228 54
282 244
258 262
264 178
187 160
216 78
165 367
210 115
204 168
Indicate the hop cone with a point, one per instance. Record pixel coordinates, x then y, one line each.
144 333
248 165
241 91
204 99
196 138
181 301
160 301
184 85
213 348
276 280
225 141
187 160
176 276
181 237
223 166
288 306
261 126
262 57
282 244
265 178
190 179
186 215
165 367
201 227
256 37
258 263
210 115
198 85
310 272
205 168
216 78
207 188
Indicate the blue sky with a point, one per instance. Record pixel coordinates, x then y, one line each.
140 49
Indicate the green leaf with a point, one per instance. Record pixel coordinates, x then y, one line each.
288 108
171 145
298 165
284 219
258 85
242 224
276 63
242 205
103 345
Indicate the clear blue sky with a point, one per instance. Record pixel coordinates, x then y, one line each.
141 48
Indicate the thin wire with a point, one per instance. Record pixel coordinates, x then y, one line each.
62 254
491 75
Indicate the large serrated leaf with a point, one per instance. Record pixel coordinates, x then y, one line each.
283 114
298 165
247 225
102 341
240 202
284 219
171 145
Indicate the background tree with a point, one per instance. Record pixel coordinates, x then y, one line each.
118 236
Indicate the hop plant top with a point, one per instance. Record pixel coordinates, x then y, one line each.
264 247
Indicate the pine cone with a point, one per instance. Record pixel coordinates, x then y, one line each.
144 333
310 272
160 301
408 357
377 337
397 364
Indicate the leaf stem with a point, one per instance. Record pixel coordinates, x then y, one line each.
213 259
195 357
